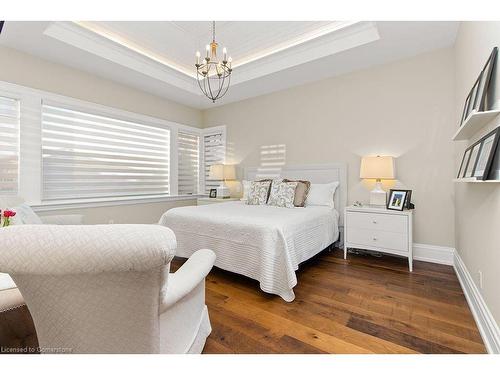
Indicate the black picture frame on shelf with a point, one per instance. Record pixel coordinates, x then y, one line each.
474 95
494 172
484 88
477 98
474 153
488 145
463 164
465 111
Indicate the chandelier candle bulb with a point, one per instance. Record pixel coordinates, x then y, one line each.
208 51
224 54
198 55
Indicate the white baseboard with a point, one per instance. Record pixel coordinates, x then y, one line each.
485 322
433 253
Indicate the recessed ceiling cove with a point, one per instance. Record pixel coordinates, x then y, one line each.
159 57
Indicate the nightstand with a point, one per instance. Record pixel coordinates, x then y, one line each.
203 201
379 229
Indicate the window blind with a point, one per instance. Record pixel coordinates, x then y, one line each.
214 153
85 155
188 150
9 145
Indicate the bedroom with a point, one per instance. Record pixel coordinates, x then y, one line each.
335 189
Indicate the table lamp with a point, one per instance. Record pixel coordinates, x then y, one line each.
379 168
223 173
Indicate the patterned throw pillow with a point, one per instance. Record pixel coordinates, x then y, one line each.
301 192
258 192
282 194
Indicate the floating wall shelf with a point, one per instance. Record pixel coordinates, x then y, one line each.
475 122
474 180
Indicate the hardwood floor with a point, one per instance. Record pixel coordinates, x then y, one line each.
362 305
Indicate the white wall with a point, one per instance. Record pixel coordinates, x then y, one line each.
405 109
27 70
477 217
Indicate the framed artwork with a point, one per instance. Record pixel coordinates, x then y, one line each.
397 199
487 72
494 172
466 107
474 152
474 96
463 165
477 100
488 145
213 193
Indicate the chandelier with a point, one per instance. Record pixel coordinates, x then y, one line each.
213 76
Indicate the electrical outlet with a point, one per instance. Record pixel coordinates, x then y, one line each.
480 273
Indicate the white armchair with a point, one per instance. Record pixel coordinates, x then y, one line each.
25 215
107 288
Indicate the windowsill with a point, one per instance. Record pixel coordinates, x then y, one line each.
105 202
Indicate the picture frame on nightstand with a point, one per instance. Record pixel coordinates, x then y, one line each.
398 199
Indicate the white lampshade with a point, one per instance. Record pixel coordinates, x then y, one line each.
378 167
216 172
222 172
229 172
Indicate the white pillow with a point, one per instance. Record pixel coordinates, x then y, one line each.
25 215
246 189
322 194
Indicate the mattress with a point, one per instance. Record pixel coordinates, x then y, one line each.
265 243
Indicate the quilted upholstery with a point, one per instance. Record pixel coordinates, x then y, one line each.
59 250
100 289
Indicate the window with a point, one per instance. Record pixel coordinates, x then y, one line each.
58 152
188 173
214 150
9 145
85 155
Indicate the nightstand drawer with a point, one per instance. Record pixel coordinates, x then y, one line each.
381 239
376 222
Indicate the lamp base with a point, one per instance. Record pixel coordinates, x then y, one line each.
378 197
223 192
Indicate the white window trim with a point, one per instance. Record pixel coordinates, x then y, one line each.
30 159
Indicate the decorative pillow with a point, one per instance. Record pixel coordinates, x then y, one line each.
25 215
258 192
282 194
246 189
301 192
322 194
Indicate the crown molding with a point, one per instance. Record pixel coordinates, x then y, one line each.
328 40
79 37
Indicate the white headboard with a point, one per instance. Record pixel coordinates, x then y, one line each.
317 174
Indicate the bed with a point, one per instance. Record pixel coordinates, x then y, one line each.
265 243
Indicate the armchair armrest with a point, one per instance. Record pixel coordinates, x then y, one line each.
62 219
187 278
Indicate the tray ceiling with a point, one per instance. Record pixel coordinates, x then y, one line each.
158 57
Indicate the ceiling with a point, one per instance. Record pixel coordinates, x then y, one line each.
158 57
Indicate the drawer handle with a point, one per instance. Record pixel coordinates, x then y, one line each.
374 238
374 221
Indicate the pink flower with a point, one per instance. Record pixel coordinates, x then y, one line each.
9 213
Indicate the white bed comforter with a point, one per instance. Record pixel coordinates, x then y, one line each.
264 243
